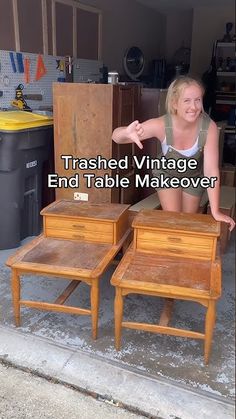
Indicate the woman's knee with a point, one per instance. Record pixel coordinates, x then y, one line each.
170 199
190 203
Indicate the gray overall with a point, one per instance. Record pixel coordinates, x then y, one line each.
174 154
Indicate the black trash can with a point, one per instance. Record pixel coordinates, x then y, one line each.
26 142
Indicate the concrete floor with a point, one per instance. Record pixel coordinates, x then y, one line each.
26 396
176 359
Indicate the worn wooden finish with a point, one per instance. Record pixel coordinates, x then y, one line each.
67 292
150 202
162 329
209 327
85 116
82 259
183 245
98 223
118 311
198 224
94 297
152 105
184 235
54 307
15 286
177 260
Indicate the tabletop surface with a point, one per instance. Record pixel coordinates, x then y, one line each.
203 224
57 256
69 208
67 253
138 267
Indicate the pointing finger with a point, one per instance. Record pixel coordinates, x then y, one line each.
138 143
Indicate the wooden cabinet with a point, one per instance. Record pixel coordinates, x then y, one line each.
152 105
84 118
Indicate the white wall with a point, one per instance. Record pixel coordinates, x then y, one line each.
208 26
125 24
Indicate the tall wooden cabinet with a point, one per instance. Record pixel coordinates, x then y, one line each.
152 105
84 118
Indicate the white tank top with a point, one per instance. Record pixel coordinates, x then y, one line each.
188 153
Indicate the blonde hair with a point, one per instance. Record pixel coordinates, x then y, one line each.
175 89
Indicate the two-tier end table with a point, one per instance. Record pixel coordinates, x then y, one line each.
78 243
173 255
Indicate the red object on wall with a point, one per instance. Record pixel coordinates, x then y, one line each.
27 70
40 69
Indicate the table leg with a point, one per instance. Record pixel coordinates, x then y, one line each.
15 287
166 312
209 328
118 310
94 297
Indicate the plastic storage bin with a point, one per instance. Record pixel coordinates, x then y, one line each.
26 143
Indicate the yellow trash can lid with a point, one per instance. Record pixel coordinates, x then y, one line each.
19 120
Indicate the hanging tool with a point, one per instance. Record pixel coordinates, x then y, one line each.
61 67
19 101
40 69
13 64
27 70
33 96
20 64
69 63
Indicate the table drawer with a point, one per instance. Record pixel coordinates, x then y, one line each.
177 244
94 231
88 236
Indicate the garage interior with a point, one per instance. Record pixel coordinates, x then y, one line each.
56 58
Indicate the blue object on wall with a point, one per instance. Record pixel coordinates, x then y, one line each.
12 62
20 62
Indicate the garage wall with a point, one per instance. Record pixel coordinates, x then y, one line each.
208 25
178 32
7 35
125 24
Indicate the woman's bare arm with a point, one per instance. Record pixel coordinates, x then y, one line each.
137 132
211 169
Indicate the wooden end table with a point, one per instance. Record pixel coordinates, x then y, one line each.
78 243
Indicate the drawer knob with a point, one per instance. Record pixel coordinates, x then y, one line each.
77 236
174 239
171 250
78 226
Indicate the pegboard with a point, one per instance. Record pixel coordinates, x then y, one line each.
9 79
85 71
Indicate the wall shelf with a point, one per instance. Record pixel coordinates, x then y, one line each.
226 44
230 129
225 102
226 73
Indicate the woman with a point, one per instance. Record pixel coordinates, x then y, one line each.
185 132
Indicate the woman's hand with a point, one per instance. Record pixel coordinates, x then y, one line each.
134 132
219 216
